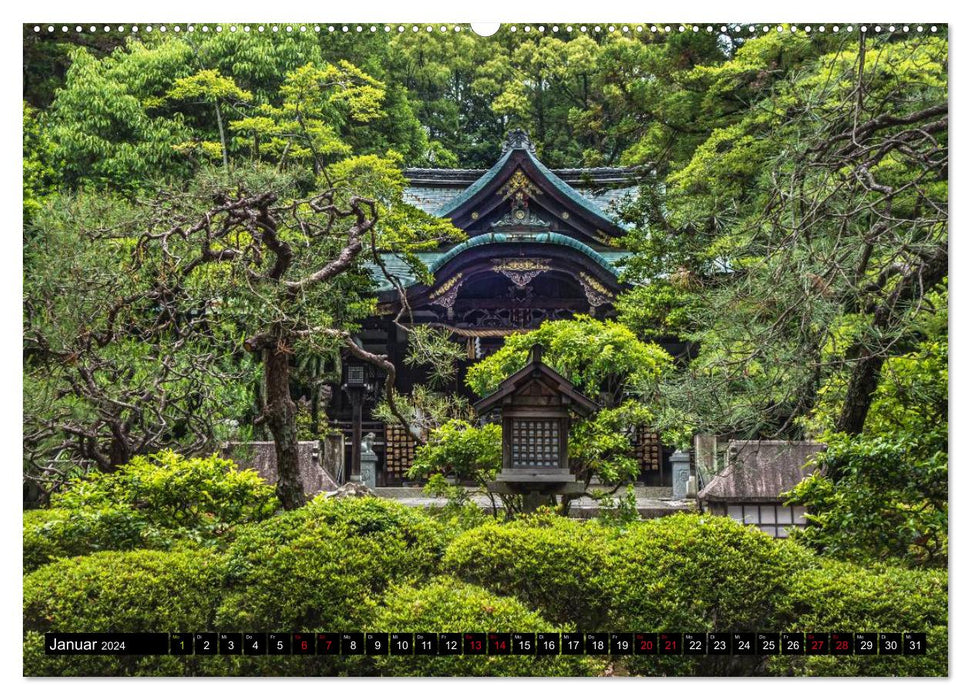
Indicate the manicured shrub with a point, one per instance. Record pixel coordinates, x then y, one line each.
204 494
834 596
143 591
324 566
679 573
553 564
462 450
698 573
60 532
365 564
448 605
694 573
152 502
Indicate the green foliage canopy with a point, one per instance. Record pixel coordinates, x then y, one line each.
603 359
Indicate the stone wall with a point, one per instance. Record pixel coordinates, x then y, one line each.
320 462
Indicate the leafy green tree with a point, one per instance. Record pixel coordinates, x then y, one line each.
662 307
105 124
252 254
802 247
451 79
40 168
814 227
209 87
884 494
602 446
108 372
139 363
159 105
681 88
602 358
460 451
317 103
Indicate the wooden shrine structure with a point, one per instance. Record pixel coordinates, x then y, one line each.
542 245
535 406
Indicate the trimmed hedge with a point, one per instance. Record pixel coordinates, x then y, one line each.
694 573
324 566
555 565
836 596
203 494
376 565
155 502
321 567
595 576
143 591
60 532
704 574
448 605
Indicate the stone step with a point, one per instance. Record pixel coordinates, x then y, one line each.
652 502
400 492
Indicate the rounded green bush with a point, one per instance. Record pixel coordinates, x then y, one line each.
322 567
834 596
154 502
679 573
364 564
554 564
448 605
60 532
204 494
143 591
696 573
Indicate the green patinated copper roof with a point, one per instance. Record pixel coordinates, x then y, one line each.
611 261
547 238
571 193
490 175
475 187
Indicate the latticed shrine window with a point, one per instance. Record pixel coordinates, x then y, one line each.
399 451
535 443
772 518
647 449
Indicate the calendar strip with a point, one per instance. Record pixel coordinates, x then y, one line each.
488 643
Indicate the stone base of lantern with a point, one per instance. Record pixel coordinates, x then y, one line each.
535 475
521 485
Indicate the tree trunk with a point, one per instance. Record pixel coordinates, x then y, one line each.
280 413
120 449
859 394
222 137
865 375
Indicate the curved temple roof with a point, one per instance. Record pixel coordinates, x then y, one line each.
611 262
547 238
548 210
518 146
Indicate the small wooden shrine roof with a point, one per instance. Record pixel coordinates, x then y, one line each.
537 369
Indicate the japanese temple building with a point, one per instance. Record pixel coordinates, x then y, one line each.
541 245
